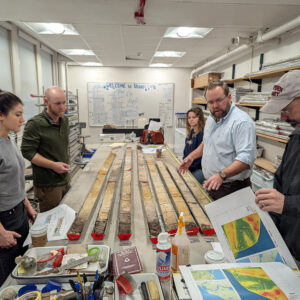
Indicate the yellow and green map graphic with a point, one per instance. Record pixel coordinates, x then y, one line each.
236 284
256 281
247 236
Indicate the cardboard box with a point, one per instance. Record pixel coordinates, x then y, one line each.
203 80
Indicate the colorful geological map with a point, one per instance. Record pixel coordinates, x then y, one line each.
235 284
247 236
255 281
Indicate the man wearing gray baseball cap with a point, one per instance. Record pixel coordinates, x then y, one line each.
283 201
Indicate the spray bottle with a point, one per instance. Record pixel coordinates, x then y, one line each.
180 246
163 256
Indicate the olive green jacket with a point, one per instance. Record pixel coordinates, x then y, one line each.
43 136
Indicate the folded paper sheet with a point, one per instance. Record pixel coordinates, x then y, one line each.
246 233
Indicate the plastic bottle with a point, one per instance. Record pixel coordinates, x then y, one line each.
163 256
180 246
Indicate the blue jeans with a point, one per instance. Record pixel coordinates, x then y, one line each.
198 174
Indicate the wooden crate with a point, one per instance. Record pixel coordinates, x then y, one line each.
203 80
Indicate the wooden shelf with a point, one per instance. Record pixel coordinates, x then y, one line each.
260 76
265 164
271 73
199 101
273 138
230 81
249 105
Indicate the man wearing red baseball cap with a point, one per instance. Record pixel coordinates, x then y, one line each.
283 201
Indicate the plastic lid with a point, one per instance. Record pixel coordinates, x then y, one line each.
26 289
214 257
38 229
163 238
51 286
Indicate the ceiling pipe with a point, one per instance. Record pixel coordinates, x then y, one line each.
220 58
260 39
139 13
278 31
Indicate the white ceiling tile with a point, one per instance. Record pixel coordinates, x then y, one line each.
109 29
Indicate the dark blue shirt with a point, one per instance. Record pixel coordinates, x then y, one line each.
192 143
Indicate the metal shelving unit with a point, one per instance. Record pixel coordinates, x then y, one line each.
74 136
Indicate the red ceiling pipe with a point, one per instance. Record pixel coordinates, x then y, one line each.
139 13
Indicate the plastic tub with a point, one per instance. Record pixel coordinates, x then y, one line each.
39 235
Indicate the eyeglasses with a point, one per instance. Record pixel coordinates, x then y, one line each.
218 101
285 111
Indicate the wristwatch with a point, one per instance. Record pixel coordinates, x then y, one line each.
222 175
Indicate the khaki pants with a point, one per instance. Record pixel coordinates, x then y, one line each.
50 197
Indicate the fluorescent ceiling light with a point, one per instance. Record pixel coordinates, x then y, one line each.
52 28
169 54
77 52
91 64
160 65
187 32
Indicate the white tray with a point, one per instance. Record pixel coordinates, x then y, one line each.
60 278
137 294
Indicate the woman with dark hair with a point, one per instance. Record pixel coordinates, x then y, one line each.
15 209
194 135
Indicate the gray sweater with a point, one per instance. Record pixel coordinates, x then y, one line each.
12 182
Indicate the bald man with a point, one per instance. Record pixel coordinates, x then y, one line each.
45 143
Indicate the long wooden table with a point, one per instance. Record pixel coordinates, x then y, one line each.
80 190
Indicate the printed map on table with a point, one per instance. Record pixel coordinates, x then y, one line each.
241 281
250 241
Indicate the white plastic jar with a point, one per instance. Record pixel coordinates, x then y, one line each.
39 235
214 257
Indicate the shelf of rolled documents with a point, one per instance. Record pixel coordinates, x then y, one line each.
274 130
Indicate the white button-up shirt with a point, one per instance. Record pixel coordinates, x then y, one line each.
232 138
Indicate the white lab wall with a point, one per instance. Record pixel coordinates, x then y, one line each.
5 69
276 50
47 72
78 77
28 71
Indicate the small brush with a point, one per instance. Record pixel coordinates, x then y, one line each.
126 283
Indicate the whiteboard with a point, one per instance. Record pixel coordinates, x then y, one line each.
120 103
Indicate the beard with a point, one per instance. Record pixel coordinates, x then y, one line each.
55 112
221 113
293 123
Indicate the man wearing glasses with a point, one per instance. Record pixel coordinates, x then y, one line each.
228 149
283 201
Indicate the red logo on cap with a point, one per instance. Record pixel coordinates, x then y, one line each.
277 89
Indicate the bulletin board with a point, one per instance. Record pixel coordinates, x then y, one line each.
120 103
